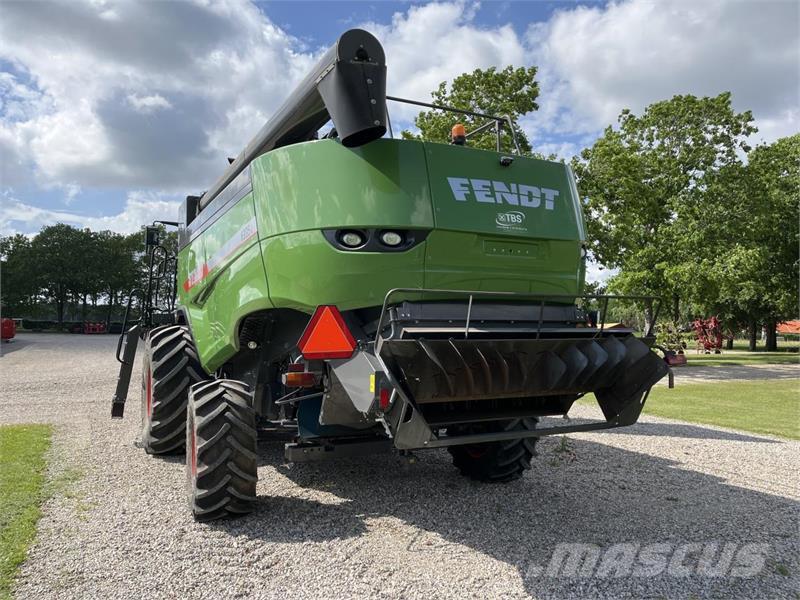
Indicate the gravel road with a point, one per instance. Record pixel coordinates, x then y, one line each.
733 373
117 525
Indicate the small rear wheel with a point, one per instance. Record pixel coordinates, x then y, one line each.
496 462
170 367
221 469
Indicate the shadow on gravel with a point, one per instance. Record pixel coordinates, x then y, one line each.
590 493
296 521
13 346
679 430
689 431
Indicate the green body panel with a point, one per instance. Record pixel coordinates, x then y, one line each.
490 227
510 228
471 190
469 261
322 184
306 271
233 284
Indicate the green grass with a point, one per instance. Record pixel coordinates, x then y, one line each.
739 357
22 476
784 345
769 406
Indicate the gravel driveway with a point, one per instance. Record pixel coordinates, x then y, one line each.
378 528
733 373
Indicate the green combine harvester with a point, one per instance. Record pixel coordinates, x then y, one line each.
365 293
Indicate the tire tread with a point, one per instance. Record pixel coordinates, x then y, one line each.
172 359
223 419
503 461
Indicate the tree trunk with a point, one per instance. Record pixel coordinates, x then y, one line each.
83 308
61 300
772 337
729 343
110 308
752 331
676 313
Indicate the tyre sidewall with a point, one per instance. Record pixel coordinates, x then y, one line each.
153 438
221 422
191 452
146 373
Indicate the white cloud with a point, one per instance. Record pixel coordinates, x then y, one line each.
139 94
155 95
437 42
596 61
148 104
71 191
596 273
141 208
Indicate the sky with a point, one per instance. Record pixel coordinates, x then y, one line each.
112 112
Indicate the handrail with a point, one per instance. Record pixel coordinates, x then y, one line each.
542 298
497 120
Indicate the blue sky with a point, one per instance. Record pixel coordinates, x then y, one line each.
111 111
330 17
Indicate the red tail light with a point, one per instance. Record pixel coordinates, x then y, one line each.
299 380
326 336
384 399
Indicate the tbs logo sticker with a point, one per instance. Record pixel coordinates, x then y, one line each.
510 220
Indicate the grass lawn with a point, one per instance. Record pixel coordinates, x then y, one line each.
784 345
22 475
768 406
740 357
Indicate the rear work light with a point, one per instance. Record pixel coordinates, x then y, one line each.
392 238
326 336
352 239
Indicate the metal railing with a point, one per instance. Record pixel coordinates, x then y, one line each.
652 305
496 121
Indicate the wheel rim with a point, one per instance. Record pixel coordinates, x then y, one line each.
149 393
475 451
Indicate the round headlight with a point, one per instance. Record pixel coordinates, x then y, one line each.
351 239
391 238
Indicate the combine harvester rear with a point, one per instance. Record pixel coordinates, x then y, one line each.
366 293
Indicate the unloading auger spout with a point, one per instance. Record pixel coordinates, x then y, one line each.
347 86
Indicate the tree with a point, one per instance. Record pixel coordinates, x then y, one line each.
67 266
118 271
57 252
641 180
744 239
509 91
18 281
87 282
773 179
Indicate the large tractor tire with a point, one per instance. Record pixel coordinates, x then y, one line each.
170 367
221 470
495 462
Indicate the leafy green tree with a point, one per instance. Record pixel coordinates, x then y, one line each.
87 281
509 91
774 182
67 266
57 252
18 283
118 272
746 267
641 179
